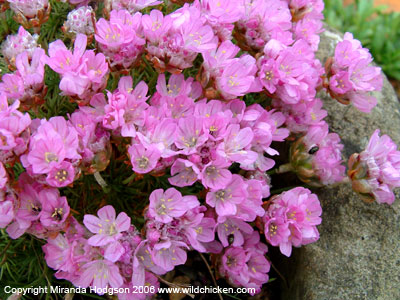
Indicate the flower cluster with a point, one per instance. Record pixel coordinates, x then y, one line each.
291 219
199 140
14 133
119 38
83 72
79 21
30 13
375 172
15 44
246 265
53 152
36 209
316 157
351 77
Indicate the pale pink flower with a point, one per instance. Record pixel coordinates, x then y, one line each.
106 227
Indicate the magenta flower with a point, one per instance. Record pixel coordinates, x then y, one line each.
106 227
235 228
235 143
18 43
215 175
61 175
143 160
155 25
375 172
31 71
57 252
100 274
186 173
169 254
55 209
226 200
164 206
46 154
351 77
6 213
291 219
190 135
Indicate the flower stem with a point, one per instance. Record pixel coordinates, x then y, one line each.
211 273
129 179
101 182
284 168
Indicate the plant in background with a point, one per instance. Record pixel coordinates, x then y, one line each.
180 125
376 29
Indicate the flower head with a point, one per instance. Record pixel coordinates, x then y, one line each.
107 228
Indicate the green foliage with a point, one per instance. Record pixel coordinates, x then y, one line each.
377 30
51 30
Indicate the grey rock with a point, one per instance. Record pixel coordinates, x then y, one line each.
358 254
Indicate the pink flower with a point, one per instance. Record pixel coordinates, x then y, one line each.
169 254
46 154
237 77
186 173
190 135
143 160
57 252
235 143
28 8
234 260
162 135
61 60
12 86
61 175
215 174
197 37
276 231
320 160
119 37
375 172
226 200
291 219
18 43
351 78
133 5
55 209
100 274
80 21
155 25
31 204
32 72
233 228
164 206
106 227
6 213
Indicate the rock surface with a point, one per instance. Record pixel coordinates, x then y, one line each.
358 254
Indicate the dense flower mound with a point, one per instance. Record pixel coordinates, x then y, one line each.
200 97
